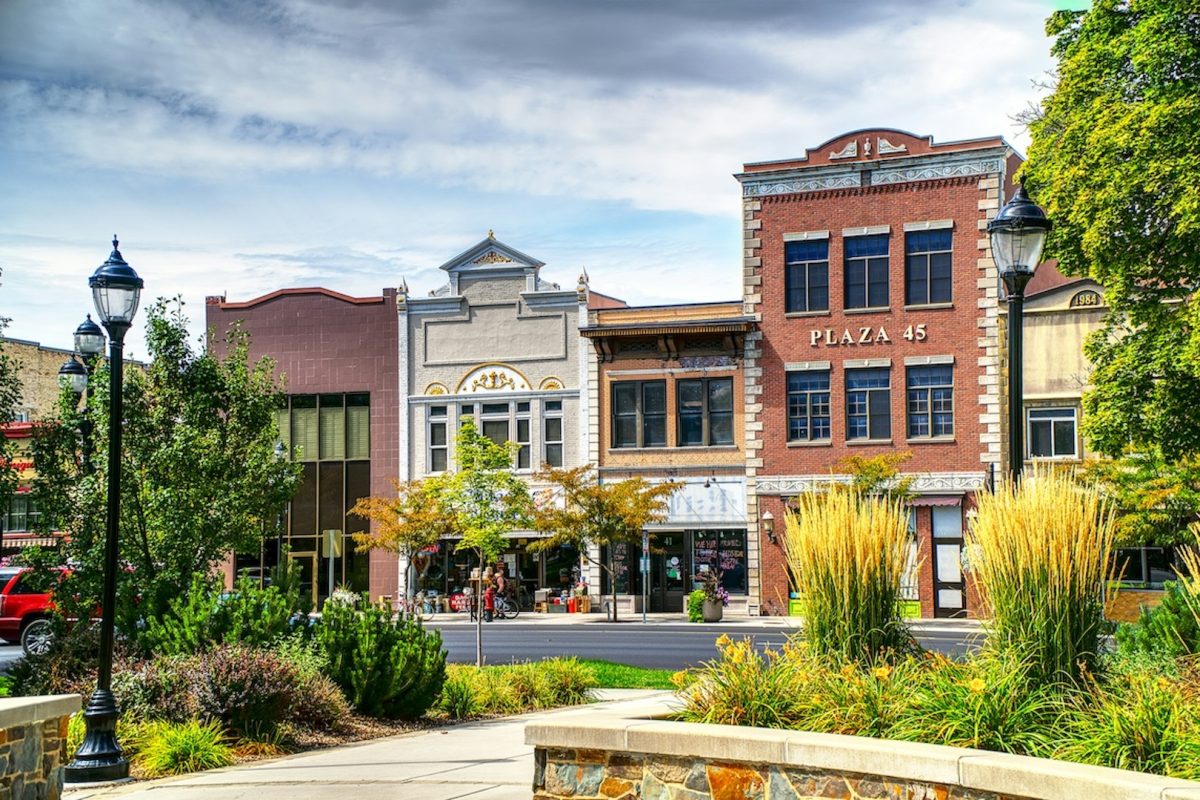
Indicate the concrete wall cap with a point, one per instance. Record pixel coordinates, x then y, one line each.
15 711
1047 779
909 760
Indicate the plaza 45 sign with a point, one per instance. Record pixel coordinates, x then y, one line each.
867 334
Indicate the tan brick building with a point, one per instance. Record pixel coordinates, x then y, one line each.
868 268
667 403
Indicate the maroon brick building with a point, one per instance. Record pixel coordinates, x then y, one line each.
339 358
868 269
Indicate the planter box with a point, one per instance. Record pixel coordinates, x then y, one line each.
793 608
556 608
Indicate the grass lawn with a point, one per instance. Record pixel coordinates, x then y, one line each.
622 676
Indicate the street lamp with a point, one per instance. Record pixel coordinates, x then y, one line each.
1018 234
115 291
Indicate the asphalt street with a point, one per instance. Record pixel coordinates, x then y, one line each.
656 646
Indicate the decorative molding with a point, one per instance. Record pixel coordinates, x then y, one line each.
493 378
845 181
929 225
493 257
980 166
550 384
887 148
923 483
436 388
922 361
849 151
867 230
805 366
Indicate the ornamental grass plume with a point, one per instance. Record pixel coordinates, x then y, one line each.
1040 556
846 553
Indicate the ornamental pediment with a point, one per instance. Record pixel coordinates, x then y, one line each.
491 255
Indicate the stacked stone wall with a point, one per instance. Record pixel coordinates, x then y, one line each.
33 746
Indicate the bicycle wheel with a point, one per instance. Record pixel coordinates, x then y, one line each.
510 609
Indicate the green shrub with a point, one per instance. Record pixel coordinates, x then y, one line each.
569 679
1138 722
1169 628
744 686
169 748
386 667
458 698
1040 556
529 685
250 691
695 606
847 553
322 705
160 689
988 703
251 615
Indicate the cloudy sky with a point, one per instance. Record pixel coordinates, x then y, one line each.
238 147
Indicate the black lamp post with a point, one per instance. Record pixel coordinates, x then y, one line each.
115 291
1018 234
89 343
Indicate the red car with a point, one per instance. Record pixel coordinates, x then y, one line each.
24 611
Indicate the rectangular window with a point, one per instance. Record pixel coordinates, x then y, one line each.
930 401
722 552
868 403
808 406
1052 433
333 426
437 439
639 414
23 514
705 411
927 267
524 449
867 271
806 275
358 426
304 428
552 433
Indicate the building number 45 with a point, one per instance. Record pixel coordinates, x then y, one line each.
915 333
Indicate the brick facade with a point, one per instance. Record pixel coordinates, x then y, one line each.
864 183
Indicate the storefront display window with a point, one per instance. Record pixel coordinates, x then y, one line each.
724 552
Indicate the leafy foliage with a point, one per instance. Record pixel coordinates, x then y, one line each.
10 395
595 514
879 476
1154 499
386 667
1113 159
695 605
414 519
1168 629
514 688
251 614
248 690
191 420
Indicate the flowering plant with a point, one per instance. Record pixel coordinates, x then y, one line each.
710 584
581 589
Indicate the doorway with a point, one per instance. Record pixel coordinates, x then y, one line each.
306 564
669 574
949 595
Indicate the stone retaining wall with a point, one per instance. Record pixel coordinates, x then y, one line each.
633 755
33 745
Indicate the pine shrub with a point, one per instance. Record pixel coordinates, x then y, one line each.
387 667
1169 628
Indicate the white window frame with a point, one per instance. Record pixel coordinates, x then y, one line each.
430 420
1029 420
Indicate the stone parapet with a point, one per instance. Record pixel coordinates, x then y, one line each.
33 745
634 755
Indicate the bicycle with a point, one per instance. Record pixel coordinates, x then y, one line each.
506 607
419 607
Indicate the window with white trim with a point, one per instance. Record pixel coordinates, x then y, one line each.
437 439
1052 433
552 433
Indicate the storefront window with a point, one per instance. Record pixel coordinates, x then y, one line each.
722 551
624 570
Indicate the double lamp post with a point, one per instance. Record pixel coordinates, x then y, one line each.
116 289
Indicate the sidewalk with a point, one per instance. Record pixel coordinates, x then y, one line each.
480 760
968 625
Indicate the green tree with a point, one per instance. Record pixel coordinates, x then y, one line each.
879 476
598 515
1154 500
483 500
406 524
1115 160
200 478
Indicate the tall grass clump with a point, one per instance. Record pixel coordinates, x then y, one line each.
1040 555
846 552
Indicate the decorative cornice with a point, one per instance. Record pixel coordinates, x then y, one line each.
850 181
979 166
923 483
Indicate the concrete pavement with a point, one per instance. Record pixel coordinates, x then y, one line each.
480 760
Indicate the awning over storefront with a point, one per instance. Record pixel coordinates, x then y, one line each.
925 501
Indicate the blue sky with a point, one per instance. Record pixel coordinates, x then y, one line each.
241 147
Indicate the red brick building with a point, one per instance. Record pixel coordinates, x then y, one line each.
868 269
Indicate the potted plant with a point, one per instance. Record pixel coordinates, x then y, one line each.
715 597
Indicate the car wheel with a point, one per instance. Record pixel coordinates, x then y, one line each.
37 638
